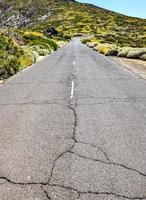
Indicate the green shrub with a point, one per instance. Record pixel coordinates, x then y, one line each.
123 52
77 34
2 70
136 53
104 49
40 50
85 41
64 37
34 38
35 55
143 57
14 57
3 41
26 60
133 53
43 52
37 48
2 67
10 66
14 63
47 44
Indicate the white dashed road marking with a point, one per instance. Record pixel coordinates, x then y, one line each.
72 90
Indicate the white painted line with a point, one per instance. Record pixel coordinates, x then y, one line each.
72 90
74 63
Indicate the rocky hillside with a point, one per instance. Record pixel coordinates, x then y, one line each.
72 18
32 28
26 12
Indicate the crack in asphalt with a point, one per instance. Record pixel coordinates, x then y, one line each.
107 78
110 162
79 104
107 158
114 100
97 147
75 120
79 192
65 188
70 151
32 103
73 109
96 193
31 83
59 156
46 194
4 178
54 163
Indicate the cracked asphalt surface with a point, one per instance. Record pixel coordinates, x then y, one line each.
89 147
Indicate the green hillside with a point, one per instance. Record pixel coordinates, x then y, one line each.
24 26
76 18
71 18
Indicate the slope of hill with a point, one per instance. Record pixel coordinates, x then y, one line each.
26 22
71 18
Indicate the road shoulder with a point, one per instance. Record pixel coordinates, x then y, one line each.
134 65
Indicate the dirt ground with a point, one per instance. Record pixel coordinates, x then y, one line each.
135 65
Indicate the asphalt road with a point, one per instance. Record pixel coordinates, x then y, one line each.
73 126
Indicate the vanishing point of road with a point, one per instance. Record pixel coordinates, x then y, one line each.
73 126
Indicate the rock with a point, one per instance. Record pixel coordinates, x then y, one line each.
91 45
51 32
112 52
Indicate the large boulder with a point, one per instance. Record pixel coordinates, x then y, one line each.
51 32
